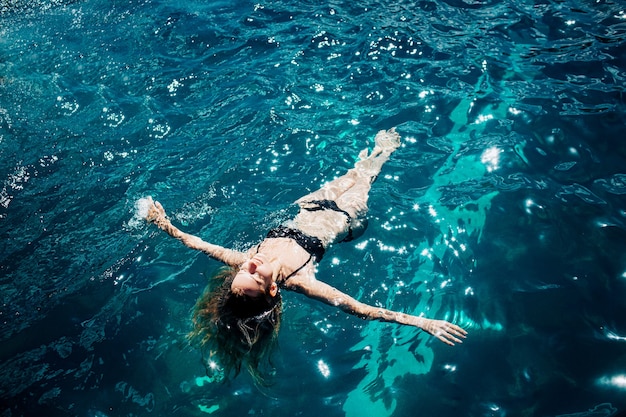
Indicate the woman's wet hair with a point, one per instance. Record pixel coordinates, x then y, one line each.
236 330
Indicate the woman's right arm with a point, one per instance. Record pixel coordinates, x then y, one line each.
156 214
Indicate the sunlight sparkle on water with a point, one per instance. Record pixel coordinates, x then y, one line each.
615 381
494 407
614 336
386 248
323 368
118 280
491 158
361 245
529 204
423 94
449 367
483 118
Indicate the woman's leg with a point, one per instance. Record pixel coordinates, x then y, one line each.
365 172
350 191
349 194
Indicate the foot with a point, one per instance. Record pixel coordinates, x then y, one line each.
387 141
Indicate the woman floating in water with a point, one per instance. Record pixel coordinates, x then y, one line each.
237 319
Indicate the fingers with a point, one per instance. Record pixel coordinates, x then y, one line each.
447 338
450 333
155 210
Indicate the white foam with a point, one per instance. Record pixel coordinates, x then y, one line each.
142 206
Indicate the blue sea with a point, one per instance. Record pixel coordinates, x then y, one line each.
503 211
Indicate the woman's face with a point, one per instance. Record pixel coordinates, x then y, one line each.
255 278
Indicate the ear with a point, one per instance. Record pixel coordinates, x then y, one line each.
273 289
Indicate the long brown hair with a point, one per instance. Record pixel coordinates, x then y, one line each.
235 330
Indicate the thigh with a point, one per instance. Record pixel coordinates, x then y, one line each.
332 190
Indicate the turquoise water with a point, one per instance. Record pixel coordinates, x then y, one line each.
504 211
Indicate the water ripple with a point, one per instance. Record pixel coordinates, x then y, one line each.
503 206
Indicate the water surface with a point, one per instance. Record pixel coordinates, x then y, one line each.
503 211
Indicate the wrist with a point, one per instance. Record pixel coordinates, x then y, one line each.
161 221
419 321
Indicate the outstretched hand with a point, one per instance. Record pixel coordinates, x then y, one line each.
448 333
156 212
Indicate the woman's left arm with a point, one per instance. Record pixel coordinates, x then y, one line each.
446 332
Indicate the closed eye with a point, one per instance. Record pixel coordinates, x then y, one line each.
256 278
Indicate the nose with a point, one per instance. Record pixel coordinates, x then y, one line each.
252 267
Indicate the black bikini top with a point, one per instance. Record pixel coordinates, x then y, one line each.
311 244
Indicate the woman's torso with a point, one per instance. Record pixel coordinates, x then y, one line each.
292 258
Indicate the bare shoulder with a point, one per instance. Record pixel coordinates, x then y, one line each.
302 281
